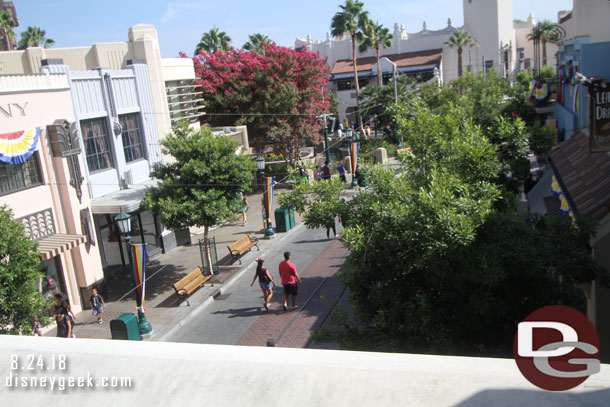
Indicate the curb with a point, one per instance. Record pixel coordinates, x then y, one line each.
199 308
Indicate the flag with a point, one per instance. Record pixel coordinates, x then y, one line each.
555 189
354 156
138 252
16 147
540 90
269 184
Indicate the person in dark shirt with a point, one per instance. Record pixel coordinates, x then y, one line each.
326 172
265 281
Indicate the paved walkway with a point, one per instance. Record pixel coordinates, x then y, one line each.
293 328
164 270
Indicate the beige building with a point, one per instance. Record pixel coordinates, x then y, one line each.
46 192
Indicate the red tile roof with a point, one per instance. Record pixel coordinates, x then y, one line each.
585 176
427 57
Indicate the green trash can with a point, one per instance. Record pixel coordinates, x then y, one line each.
292 221
282 220
125 327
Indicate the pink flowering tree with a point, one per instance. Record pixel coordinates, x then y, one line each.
277 93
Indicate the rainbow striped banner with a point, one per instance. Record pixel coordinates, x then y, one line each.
138 252
16 147
269 185
576 101
354 156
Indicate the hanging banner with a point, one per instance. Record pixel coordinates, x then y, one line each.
576 101
138 252
599 120
555 189
354 156
540 90
269 183
16 147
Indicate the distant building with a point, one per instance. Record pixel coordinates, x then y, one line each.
123 99
502 45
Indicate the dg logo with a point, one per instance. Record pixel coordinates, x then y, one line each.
556 348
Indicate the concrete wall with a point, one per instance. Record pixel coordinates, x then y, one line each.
589 18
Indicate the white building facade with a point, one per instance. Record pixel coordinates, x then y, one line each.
502 44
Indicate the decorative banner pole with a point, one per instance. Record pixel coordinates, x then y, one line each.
269 184
138 265
354 148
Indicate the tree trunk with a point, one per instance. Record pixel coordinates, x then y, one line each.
379 82
357 83
460 61
543 52
208 254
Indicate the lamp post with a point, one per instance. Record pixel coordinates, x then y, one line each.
350 134
260 164
394 73
123 222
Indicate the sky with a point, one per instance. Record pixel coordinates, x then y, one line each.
180 23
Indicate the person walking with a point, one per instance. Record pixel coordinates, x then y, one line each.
244 209
290 277
326 172
265 281
341 170
62 306
317 175
97 305
64 326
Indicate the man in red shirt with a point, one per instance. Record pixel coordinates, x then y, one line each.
289 276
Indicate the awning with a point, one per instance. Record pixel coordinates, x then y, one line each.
53 245
126 200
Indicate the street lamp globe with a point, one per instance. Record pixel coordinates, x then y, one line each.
349 133
123 221
260 163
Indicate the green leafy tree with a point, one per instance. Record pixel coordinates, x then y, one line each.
545 31
350 20
460 39
201 187
213 41
376 36
378 101
319 202
6 27
20 301
256 42
34 37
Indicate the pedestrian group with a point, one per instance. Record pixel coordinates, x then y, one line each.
289 276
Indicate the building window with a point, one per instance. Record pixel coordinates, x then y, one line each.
489 65
345 85
97 144
132 138
15 177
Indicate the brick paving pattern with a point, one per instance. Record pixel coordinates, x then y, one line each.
294 327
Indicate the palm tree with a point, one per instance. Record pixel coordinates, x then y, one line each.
6 27
375 35
214 40
256 42
350 20
460 39
34 37
545 31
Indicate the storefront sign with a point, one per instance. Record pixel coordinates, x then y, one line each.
600 120
13 109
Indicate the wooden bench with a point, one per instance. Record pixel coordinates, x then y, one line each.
241 246
189 283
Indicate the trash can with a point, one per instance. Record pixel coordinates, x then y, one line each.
125 327
282 220
291 215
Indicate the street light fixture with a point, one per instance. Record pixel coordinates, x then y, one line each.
260 164
123 222
394 73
